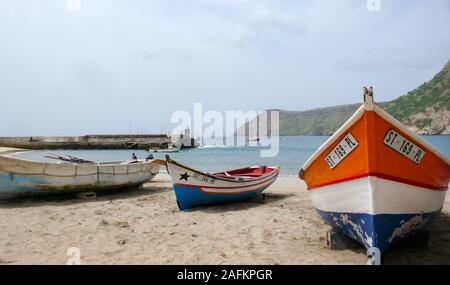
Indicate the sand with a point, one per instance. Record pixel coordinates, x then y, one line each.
144 226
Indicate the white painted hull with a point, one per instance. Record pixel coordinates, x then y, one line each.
219 186
375 211
375 195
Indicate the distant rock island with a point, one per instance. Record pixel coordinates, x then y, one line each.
425 110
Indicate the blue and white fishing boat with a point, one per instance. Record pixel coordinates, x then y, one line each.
195 188
20 177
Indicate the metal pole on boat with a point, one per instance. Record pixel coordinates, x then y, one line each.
368 98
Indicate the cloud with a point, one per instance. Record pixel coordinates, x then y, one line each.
179 54
278 20
243 23
223 53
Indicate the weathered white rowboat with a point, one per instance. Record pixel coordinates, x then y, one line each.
19 177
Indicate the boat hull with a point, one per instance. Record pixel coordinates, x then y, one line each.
19 178
376 181
190 197
376 231
194 188
375 211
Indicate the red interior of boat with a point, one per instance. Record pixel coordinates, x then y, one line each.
252 171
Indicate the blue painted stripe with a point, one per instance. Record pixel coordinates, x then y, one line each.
190 197
15 185
381 230
18 185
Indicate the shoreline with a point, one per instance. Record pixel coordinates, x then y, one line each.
144 226
10 150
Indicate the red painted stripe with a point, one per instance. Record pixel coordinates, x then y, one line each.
227 193
383 176
231 187
276 168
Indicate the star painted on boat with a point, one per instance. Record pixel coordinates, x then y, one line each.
184 176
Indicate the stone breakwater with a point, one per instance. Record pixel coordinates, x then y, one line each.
88 142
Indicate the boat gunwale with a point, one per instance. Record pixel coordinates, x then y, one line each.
231 187
396 123
276 170
108 163
350 122
33 163
384 115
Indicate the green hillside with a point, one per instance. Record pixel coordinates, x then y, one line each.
323 121
425 110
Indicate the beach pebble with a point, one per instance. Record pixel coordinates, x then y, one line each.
121 224
99 212
222 253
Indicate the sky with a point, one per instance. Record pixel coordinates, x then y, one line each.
118 66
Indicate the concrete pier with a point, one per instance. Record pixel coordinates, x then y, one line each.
88 142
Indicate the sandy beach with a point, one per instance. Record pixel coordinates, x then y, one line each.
144 226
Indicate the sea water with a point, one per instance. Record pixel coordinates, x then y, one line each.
293 152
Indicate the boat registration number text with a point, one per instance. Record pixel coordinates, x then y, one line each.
402 145
204 178
344 148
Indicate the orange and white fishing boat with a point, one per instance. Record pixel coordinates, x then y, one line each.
375 180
